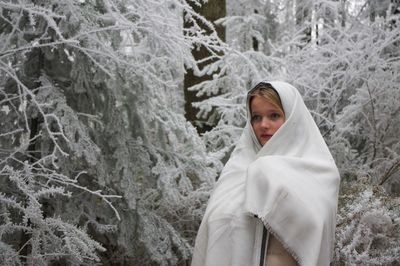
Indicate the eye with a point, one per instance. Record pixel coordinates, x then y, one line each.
275 116
255 118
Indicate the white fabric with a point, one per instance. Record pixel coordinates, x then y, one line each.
291 183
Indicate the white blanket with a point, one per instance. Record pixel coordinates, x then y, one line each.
291 184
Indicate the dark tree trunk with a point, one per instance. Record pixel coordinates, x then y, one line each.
303 17
212 10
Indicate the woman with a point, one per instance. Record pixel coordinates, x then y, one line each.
276 199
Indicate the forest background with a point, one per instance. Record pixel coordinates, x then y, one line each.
116 117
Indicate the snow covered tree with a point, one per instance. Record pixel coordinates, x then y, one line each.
348 74
368 228
97 161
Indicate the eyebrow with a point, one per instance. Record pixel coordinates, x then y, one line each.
269 110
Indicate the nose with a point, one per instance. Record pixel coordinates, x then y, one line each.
265 123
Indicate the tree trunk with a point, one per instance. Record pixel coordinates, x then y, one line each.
303 16
212 10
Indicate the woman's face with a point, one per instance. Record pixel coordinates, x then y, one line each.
266 119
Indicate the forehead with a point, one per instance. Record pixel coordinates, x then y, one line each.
259 103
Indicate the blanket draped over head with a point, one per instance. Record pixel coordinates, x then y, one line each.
290 186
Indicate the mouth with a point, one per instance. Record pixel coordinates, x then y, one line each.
266 136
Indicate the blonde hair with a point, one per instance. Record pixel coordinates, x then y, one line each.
268 92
